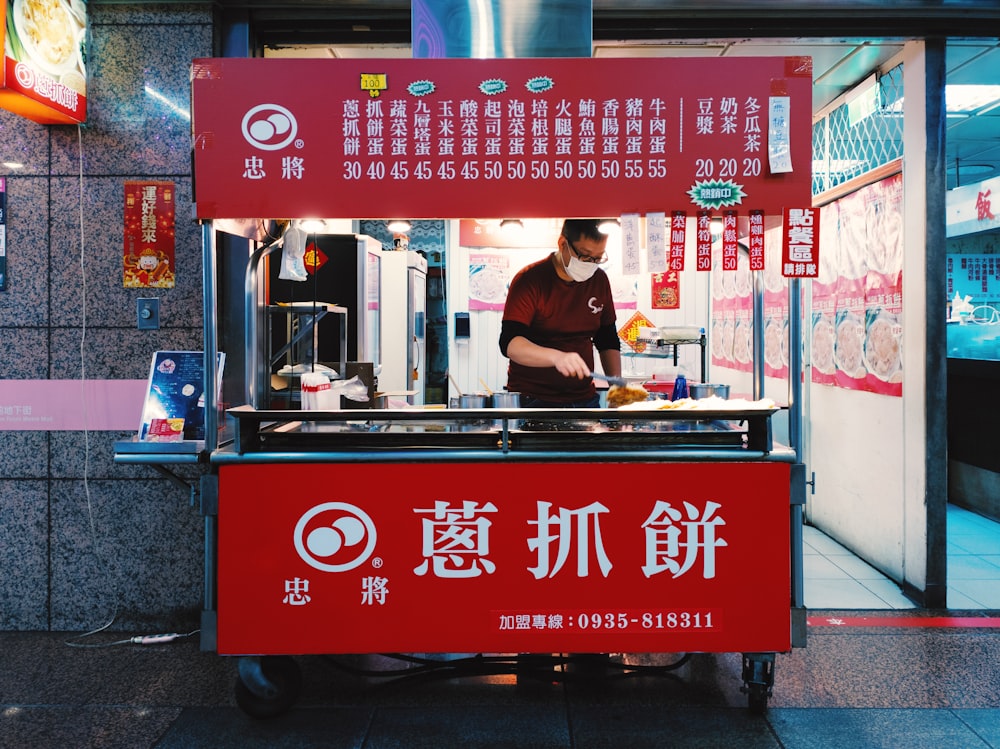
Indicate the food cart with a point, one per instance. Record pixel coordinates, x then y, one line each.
653 530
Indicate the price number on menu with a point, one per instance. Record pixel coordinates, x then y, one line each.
515 170
726 168
643 621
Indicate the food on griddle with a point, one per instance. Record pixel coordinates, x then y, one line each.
623 395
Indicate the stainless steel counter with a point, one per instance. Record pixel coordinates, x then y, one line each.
501 434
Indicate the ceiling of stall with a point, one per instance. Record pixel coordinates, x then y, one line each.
659 28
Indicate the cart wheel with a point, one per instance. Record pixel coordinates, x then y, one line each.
757 698
758 679
268 686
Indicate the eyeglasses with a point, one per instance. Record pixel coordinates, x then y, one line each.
587 258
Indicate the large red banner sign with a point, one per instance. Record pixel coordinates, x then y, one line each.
524 138
636 557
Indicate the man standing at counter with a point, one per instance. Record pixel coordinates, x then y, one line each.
558 311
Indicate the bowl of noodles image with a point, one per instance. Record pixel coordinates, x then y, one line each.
742 279
823 337
743 341
49 32
776 343
717 350
487 284
882 346
848 345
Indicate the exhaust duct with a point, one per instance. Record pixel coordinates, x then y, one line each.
501 28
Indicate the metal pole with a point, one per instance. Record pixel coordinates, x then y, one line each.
210 325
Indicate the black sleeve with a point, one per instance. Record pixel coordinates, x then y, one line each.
607 338
509 330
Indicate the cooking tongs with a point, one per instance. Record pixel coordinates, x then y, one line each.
619 381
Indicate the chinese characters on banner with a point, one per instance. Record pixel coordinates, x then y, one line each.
149 235
703 241
517 137
499 560
730 240
629 332
755 240
678 238
800 249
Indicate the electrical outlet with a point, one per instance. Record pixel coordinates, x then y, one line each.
148 313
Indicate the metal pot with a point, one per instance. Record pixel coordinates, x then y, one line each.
472 400
701 390
506 400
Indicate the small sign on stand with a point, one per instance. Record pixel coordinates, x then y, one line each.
174 409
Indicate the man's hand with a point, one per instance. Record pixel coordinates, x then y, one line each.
570 364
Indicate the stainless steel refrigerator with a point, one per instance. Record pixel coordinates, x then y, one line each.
404 313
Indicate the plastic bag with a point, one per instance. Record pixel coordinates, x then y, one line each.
320 394
293 253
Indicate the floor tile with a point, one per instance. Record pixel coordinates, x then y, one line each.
822 543
637 727
970 568
886 729
985 722
857 568
958 600
889 592
819 567
840 594
986 592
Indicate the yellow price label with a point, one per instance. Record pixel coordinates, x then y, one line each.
374 83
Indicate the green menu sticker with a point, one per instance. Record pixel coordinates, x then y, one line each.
539 84
493 86
716 193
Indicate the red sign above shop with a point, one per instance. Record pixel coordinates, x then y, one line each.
499 558
522 138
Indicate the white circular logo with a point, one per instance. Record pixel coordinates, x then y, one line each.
335 537
269 127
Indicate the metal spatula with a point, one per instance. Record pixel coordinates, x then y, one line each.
619 381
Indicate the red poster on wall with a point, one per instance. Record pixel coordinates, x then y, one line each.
496 138
666 290
149 235
471 565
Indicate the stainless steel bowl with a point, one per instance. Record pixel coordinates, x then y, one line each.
472 400
701 390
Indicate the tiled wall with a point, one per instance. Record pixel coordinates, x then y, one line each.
85 541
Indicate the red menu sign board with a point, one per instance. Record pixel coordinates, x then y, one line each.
499 558
528 138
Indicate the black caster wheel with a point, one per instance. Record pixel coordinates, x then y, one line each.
268 686
757 699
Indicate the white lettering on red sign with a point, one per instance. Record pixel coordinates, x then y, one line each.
674 539
456 541
562 529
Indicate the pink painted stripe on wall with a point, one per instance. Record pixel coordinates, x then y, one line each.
63 405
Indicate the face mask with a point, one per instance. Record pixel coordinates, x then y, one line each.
578 270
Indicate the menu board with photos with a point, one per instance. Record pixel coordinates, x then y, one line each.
174 409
